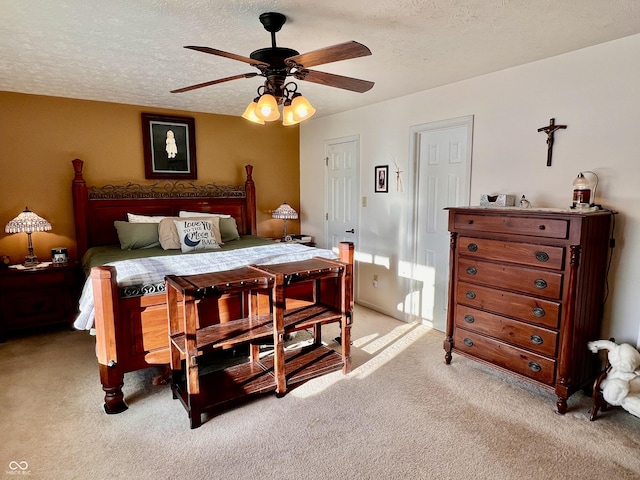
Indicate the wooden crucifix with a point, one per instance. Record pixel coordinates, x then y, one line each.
550 131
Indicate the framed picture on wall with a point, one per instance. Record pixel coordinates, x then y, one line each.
169 146
382 179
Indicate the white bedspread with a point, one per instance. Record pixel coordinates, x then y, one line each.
153 270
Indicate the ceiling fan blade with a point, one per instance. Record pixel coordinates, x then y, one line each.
213 82
333 80
334 53
220 53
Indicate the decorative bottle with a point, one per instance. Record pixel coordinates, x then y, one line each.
581 192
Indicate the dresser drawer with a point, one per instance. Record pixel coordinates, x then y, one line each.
42 306
543 256
36 279
532 226
526 280
512 358
533 310
530 337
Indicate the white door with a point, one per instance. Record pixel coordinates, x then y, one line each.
341 180
442 176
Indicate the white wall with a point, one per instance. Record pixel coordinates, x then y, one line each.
595 91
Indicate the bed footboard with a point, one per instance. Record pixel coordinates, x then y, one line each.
132 333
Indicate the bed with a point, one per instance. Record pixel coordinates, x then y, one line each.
129 315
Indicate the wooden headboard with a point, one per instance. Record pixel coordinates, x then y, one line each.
95 208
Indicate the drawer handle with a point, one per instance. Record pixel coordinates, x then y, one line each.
471 295
541 227
538 312
469 222
540 283
468 342
536 339
472 247
542 256
535 367
469 319
472 270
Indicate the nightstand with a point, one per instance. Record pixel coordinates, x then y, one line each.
301 239
38 297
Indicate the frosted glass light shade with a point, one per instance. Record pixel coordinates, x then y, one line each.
250 113
288 116
267 108
302 109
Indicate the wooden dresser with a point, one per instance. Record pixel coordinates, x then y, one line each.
526 292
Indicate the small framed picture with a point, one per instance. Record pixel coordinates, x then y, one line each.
169 146
382 179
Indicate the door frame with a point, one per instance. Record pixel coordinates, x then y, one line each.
414 170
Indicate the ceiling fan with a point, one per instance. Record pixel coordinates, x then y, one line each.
277 63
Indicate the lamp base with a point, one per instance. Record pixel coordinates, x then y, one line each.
31 261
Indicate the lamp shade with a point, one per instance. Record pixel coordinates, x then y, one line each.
285 212
287 115
302 109
267 108
27 222
250 113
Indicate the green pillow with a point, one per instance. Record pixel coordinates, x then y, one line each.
228 229
137 235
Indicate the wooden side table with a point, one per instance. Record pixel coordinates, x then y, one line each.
193 298
37 297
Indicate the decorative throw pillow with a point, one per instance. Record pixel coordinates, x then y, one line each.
168 232
186 214
133 218
196 234
228 229
137 235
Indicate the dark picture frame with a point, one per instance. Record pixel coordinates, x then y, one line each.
381 179
169 146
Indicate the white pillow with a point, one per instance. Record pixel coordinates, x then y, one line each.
168 232
133 218
196 235
183 213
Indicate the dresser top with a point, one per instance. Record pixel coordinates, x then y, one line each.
529 211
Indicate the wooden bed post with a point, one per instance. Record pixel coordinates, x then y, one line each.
106 303
250 190
346 252
80 197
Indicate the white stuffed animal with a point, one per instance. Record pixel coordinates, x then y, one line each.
622 384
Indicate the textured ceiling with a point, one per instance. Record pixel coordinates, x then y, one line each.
131 51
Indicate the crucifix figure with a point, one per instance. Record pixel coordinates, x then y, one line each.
398 179
550 131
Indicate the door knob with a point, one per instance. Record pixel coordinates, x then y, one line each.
350 231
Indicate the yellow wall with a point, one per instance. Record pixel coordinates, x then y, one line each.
41 135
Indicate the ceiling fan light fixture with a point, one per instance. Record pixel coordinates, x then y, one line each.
287 114
250 113
267 108
302 108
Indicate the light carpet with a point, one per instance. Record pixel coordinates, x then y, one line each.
401 414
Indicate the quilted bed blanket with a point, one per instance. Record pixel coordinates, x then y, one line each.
146 275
